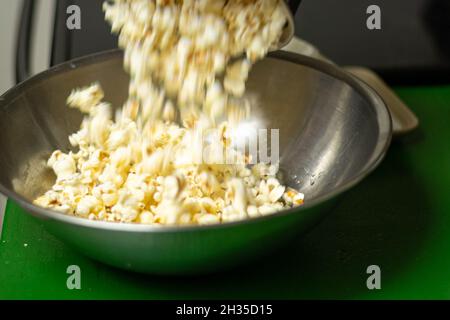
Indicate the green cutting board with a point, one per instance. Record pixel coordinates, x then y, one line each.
398 219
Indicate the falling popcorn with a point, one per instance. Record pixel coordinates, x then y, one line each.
188 63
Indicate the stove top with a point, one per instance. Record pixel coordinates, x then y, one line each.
412 47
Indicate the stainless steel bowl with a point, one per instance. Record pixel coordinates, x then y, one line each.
334 130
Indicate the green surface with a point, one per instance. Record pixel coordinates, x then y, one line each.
398 218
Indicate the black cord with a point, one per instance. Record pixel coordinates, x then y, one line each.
294 5
23 47
62 37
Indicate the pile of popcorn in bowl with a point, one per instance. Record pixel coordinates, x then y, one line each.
145 163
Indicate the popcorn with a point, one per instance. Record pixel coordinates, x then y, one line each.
208 219
293 197
107 192
189 61
238 196
63 165
236 76
87 205
146 217
85 100
186 45
252 211
276 193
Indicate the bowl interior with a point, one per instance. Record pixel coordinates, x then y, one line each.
330 130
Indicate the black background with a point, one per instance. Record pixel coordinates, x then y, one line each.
413 46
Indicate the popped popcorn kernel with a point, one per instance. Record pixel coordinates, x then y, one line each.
146 163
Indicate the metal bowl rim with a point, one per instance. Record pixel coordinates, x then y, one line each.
325 67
